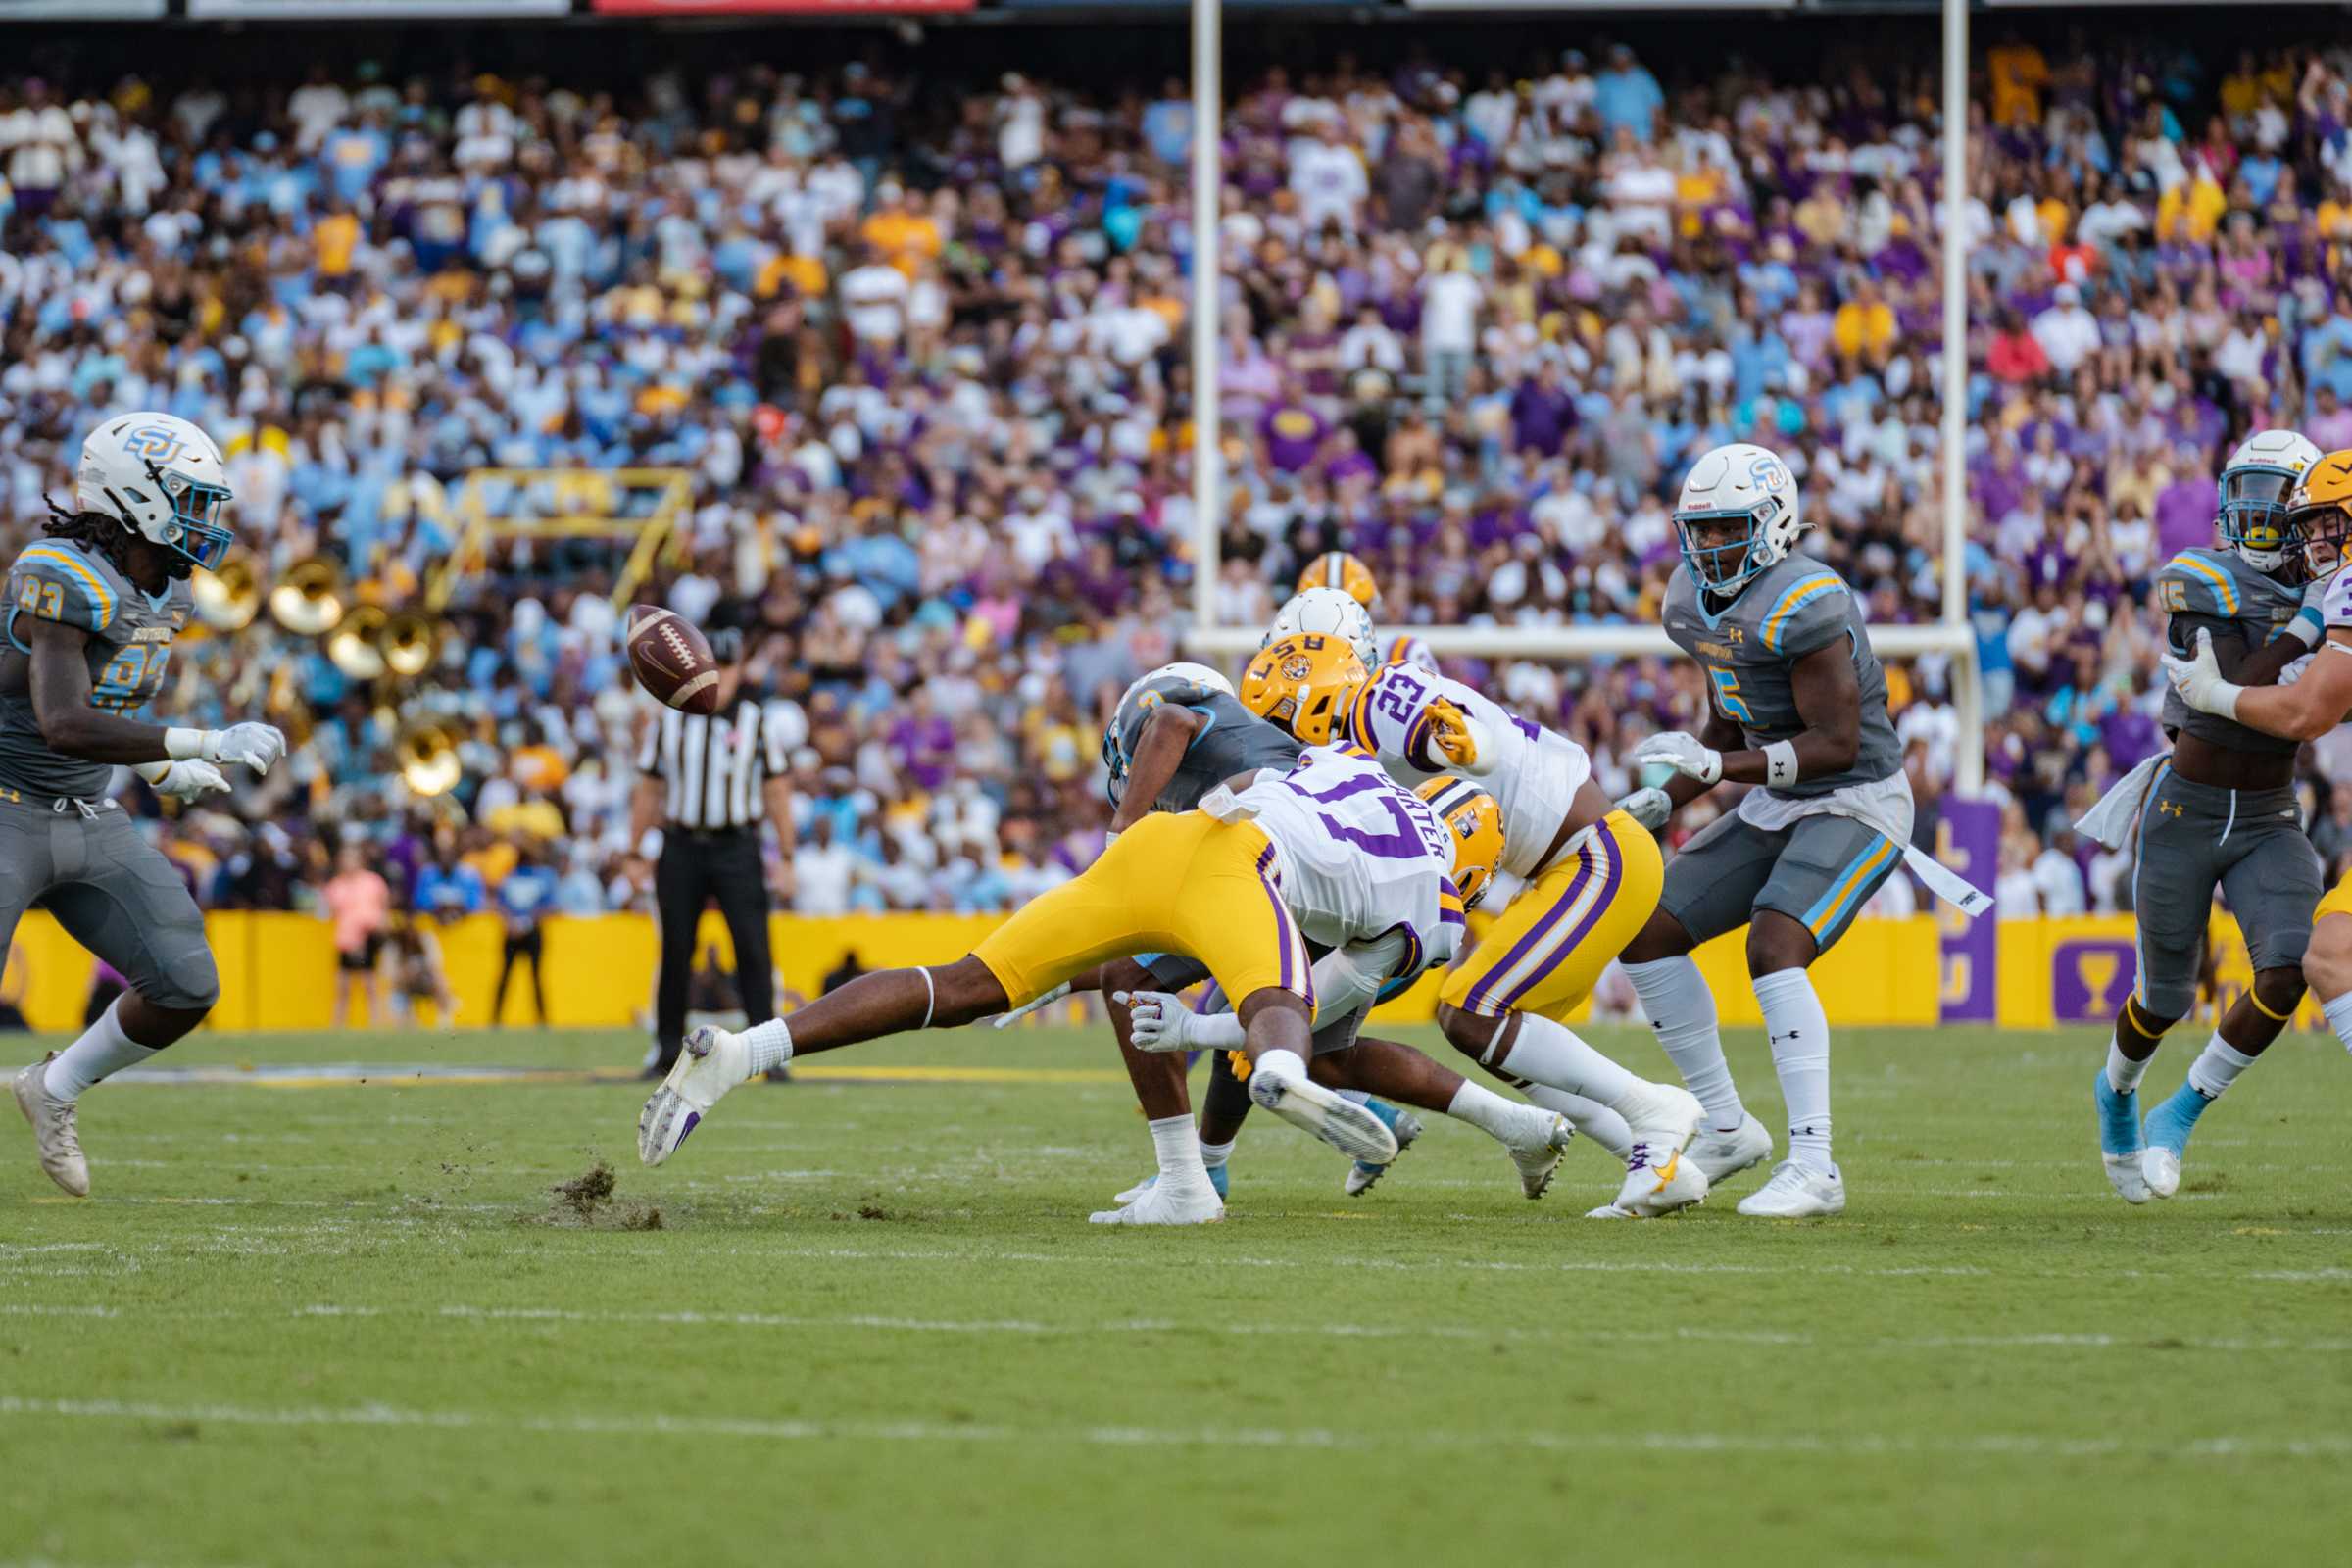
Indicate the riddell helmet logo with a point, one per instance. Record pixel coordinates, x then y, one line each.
155 443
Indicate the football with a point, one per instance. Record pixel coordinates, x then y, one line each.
671 660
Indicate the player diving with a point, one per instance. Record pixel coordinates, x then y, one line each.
91 610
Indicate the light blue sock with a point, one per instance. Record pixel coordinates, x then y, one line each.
2171 1123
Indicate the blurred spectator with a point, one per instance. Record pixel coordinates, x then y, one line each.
358 902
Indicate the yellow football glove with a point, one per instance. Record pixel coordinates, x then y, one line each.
1450 733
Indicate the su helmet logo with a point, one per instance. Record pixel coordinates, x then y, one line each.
1766 471
156 442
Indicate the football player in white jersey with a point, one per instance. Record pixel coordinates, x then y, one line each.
2320 521
1591 876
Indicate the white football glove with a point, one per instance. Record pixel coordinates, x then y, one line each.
1682 753
1651 807
257 745
2199 681
1224 806
1162 1022
184 781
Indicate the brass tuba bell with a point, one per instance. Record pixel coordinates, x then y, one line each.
427 755
355 645
408 641
229 597
308 599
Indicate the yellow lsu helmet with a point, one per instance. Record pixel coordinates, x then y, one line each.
2319 514
1302 684
1475 821
1339 569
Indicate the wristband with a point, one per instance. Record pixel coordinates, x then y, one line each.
2227 694
1110 836
185 745
2306 628
1780 764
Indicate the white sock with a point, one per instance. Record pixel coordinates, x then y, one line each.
2217 1068
1356 1096
1681 1009
1178 1146
2339 1017
1589 1118
1281 1063
1506 1121
2122 1073
1799 1032
102 1051
1214 1154
771 1043
1548 1053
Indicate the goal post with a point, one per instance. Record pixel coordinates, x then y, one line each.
1951 634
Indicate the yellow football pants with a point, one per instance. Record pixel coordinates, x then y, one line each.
1547 953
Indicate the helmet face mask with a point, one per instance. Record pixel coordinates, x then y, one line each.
1720 547
2321 534
1473 823
2259 501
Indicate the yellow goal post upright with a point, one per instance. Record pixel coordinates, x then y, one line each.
647 508
1951 634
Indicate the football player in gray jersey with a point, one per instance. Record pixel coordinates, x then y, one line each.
90 612
1796 703
2220 812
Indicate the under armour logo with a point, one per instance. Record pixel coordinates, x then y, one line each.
2170 808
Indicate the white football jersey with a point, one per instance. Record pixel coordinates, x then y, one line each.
1531 773
2335 599
1360 856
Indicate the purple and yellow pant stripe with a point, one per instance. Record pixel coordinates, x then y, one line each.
1547 953
1186 884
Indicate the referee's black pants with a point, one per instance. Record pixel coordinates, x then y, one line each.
696 868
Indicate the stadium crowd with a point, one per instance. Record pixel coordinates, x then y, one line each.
922 352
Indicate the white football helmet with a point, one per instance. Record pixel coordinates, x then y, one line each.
2256 485
1327 612
1114 750
164 479
1736 515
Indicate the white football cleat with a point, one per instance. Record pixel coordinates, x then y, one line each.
2128 1175
1164 1203
1340 1122
1721 1155
1795 1193
1610 1212
1658 1179
55 1139
2159 1167
1539 1158
712 1062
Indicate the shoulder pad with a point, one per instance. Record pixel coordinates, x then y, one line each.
55 580
2193 583
1804 613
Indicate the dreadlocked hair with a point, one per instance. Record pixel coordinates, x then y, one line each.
92 530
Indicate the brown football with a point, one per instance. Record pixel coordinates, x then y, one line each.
671 660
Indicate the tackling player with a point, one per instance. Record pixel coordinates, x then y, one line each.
90 614
1797 703
1590 878
1242 894
2321 522
1176 735
2221 811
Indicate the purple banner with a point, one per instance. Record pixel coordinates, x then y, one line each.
2090 977
1967 838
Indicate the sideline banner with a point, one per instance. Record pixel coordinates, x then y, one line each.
1967 838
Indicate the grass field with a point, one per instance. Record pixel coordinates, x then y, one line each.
352 1324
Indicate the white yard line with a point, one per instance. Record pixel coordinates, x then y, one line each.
2314 1446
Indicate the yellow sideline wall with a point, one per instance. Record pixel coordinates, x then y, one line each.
277 971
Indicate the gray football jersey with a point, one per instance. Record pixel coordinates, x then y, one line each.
2217 587
129 649
1749 646
1235 741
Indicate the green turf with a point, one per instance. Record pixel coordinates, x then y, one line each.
352 1325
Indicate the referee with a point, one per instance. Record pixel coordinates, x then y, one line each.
708 783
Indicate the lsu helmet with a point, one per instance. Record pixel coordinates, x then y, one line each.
1736 515
1414 652
1302 684
1475 823
1327 612
2319 515
2258 486
1337 568
164 479
1145 688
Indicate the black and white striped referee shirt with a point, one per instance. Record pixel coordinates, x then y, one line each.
712 768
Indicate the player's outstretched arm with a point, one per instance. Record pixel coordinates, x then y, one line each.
73 727
1158 752
1719 735
2303 711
